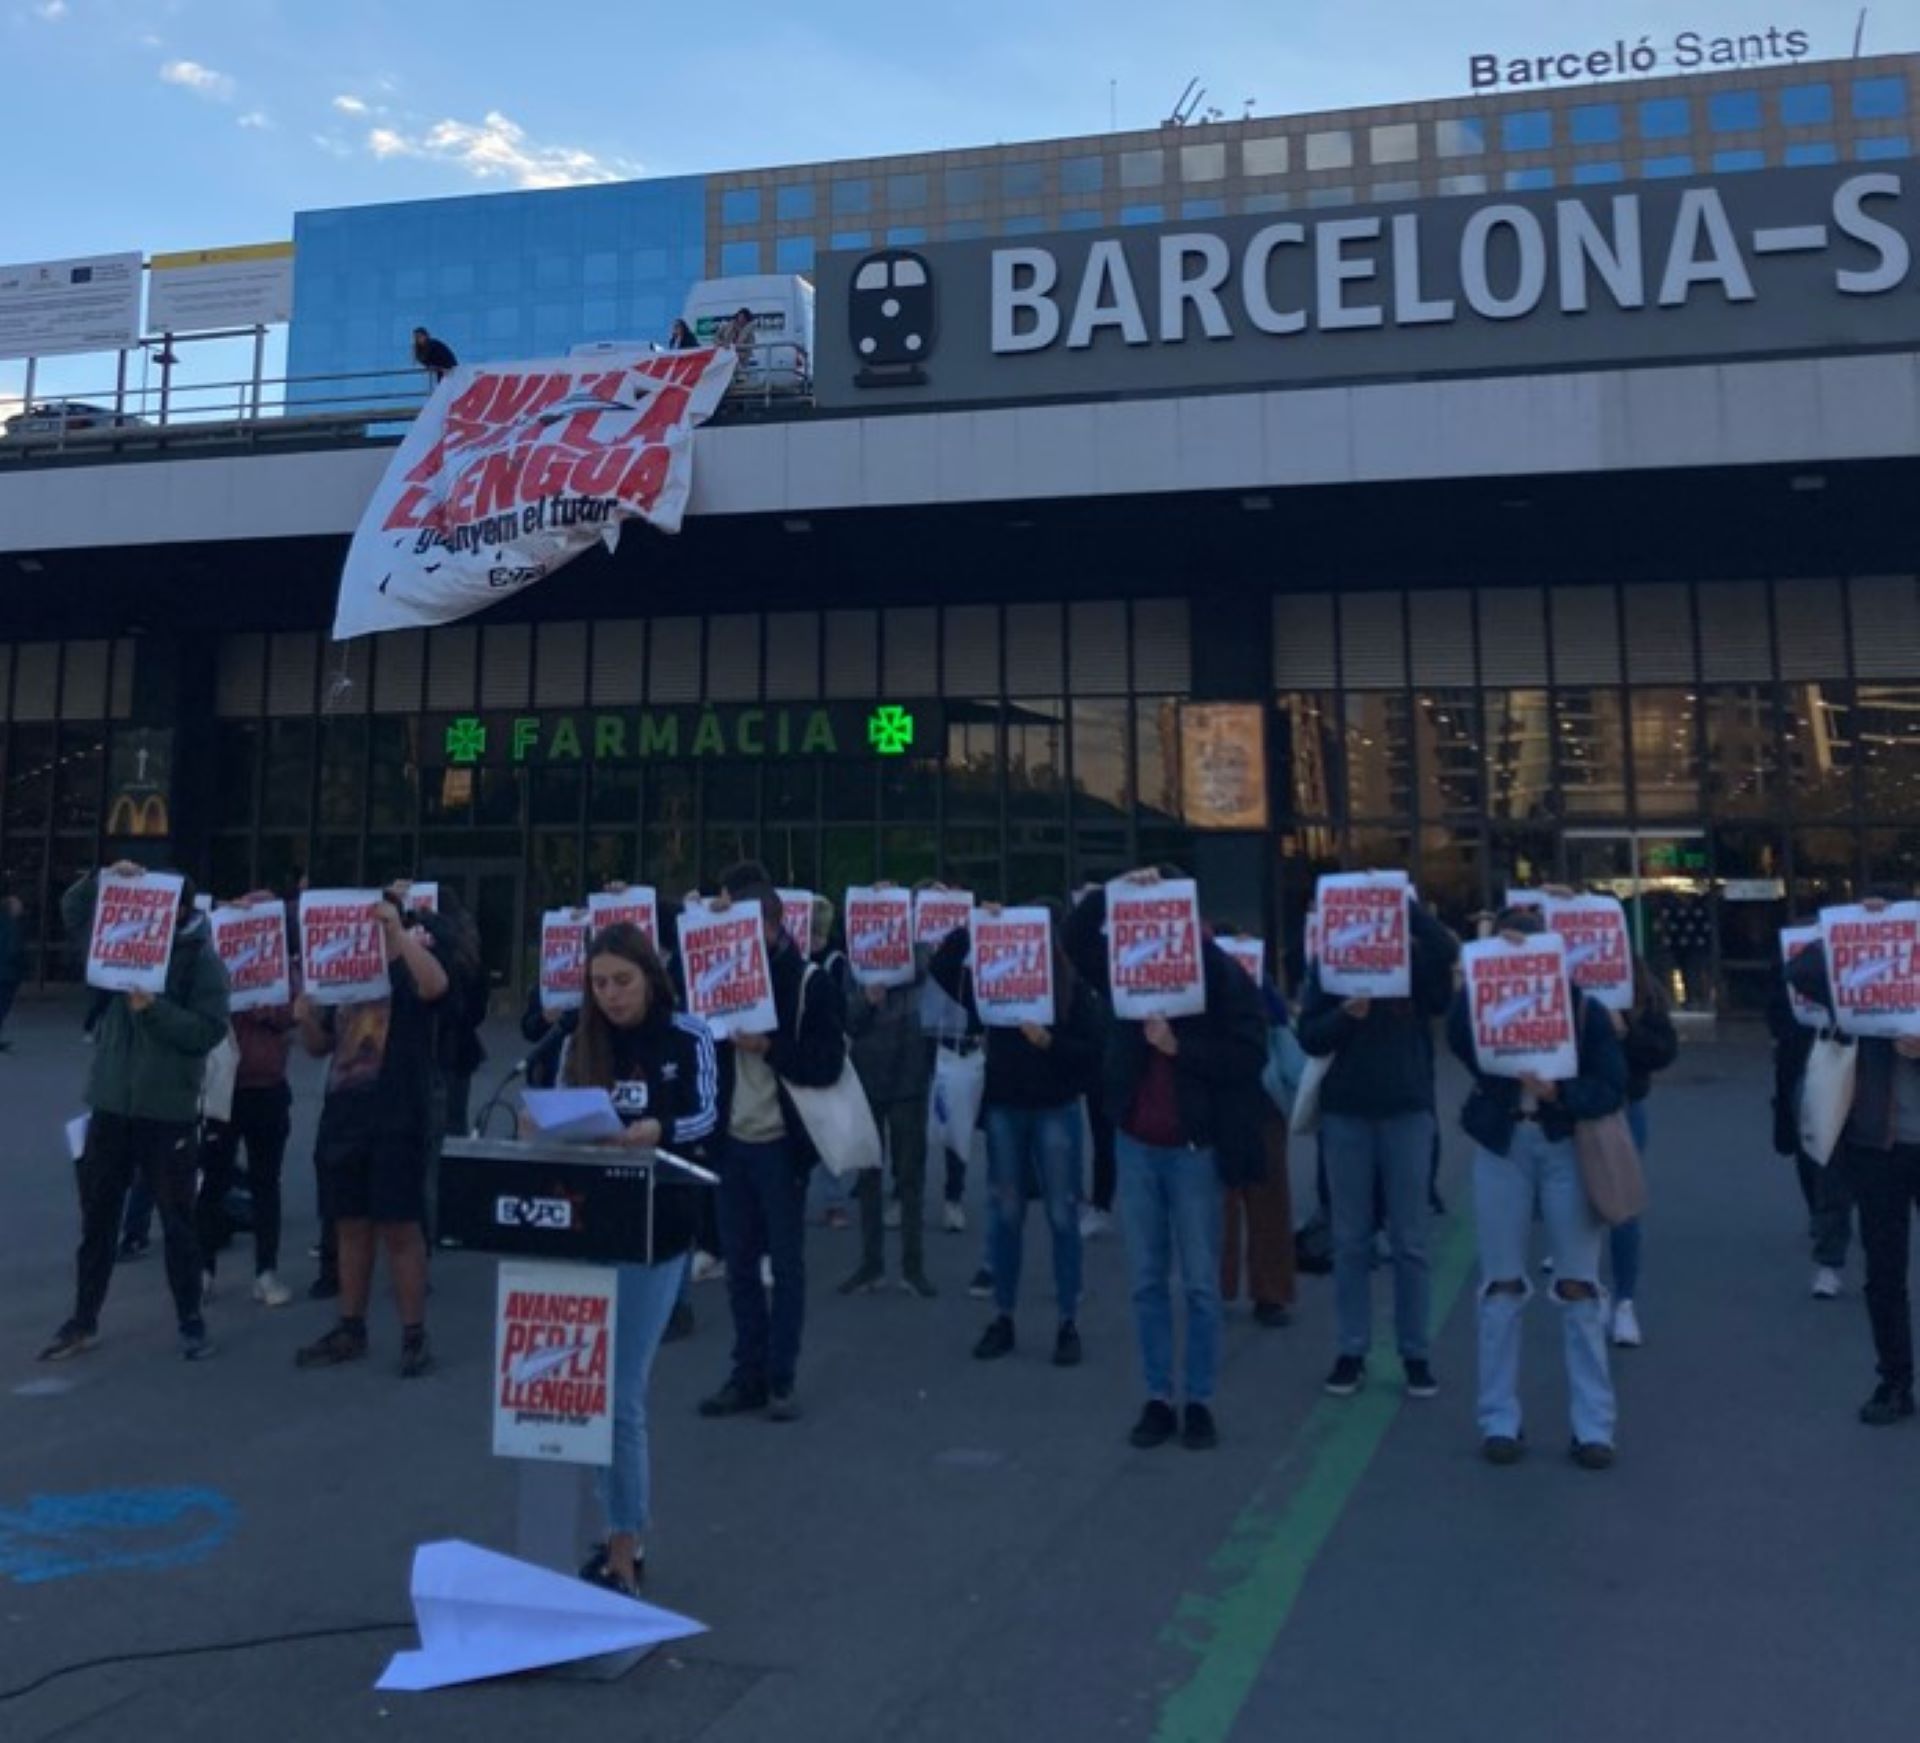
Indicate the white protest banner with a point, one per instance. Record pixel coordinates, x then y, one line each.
252 942
880 936
796 908
1536 899
634 905
1250 953
1011 954
513 469
937 913
1366 949
1520 1003
1153 949
1594 929
343 947
553 1362
728 981
1809 1013
423 898
1873 966
563 958
134 920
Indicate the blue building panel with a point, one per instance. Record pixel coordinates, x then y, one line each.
496 275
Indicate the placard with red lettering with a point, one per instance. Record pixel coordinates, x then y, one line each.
939 913
252 942
635 905
1250 953
1366 948
1011 954
1153 949
796 910
553 1356
343 947
134 921
1594 929
1873 966
880 936
423 898
1809 1013
728 981
1520 1002
563 958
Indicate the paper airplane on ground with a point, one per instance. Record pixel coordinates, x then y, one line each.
482 1615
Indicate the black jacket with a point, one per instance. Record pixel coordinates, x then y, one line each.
811 1052
1870 1125
1651 1043
1019 1074
1493 1106
1222 1052
1792 1044
1383 1062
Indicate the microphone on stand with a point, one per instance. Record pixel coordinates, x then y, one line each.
545 1049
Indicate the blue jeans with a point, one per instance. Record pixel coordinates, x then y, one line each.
646 1298
1392 1157
1625 1239
763 1198
1038 1150
1505 1190
1172 1202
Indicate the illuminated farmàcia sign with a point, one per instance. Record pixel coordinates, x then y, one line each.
639 735
1769 262
1686 51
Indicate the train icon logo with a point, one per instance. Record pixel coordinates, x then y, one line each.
891 318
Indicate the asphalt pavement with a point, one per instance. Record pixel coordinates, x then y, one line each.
945 1551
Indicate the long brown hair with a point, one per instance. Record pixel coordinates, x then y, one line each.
590 1056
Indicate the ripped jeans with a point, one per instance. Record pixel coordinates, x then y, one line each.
1505 1189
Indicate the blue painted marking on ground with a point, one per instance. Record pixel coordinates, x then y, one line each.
56 1537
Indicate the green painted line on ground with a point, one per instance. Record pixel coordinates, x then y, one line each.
1272 1545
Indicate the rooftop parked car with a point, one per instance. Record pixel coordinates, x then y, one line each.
57 417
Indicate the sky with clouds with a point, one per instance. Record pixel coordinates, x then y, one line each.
164 124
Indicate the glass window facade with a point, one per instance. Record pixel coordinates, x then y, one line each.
1889 146
1806 106
1818 151
1330 150
1595 124
1396 142
1879 99
1203 163
1527 130
906 193
1082 175
1460 136
740 206
1655 168
1594 174
1142 214
1142 169
1521 181
793 202
966 187
741 258
906 235
1023 181
1734 111
852 196
1265 157
1666 118
793 254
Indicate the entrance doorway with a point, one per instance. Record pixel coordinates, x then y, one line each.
1661 877
490 890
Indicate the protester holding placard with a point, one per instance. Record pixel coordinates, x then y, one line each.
143 1096
767 1153
1794 1020
662 1071
1184 1093
1259 1223
378 1135
1650 1043
889 1051
1377 1122
262 1114
1522 1125
1862 968
1037 1071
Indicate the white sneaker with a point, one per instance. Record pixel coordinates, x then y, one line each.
206 1287
892 1216
953 1218
1626 1327
708 1269
269 1291
766 1272
1094 1222
1826 1284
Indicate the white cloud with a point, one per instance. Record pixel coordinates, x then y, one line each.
498 149
331 146
256 118
51 10
348 104
201 81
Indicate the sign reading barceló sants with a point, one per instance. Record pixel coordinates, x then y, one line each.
553 1363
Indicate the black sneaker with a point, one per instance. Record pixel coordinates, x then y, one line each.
1197 1433
1157 1426
1271 1315
996 1341
1592 1455
416 1356
194 1346
918 1284
1066 1345
1420 1380
1501 1449
1888 1405
344 1343
736 1398
1348 1376
981 1288
782 1405
324 1288
72 1339
679 1323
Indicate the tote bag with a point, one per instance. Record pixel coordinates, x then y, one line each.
1306 1099
1610 1169
1826 1095
959 1084
836 1116
217 1082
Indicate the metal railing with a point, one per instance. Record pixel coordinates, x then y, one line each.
371 405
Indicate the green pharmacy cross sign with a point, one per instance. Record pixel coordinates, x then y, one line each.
845 730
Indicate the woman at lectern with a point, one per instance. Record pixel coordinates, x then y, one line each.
661 1070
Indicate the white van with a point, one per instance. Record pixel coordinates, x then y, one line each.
780 360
